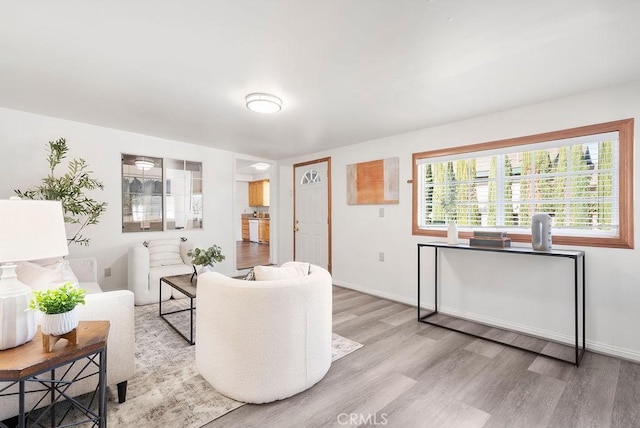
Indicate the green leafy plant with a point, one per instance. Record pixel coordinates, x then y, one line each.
210 256
57 300
70 190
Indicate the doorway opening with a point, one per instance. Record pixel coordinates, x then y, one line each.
252 213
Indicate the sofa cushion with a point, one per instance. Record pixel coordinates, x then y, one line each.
304 267
41 276
154 279
164 252
90 287
272 273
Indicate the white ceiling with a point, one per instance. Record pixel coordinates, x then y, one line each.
347 71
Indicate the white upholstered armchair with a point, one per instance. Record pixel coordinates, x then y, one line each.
265 340
113 306
148 263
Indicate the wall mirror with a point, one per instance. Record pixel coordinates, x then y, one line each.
160 194
183 192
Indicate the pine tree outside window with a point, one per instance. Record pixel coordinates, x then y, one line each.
582 177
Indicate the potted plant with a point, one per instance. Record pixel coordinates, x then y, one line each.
58 307
205 258
71 189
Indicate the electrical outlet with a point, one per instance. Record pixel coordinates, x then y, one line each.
381 212
107 272
381 257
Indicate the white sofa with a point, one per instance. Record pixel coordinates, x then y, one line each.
146 269
261 341
113 306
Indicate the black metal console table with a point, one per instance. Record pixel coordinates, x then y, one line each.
576 256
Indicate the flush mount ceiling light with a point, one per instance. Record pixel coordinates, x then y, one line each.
261 166
263 103
144 164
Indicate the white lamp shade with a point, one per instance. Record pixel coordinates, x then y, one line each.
31 230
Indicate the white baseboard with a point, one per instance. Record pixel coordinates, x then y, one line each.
598 347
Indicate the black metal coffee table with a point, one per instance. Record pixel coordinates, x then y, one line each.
183 284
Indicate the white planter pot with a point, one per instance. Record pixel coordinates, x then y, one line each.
205 268
59 324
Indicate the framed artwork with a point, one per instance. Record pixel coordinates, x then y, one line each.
373 182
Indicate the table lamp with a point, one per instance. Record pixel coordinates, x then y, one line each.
29 230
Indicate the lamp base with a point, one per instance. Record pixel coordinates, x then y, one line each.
17 324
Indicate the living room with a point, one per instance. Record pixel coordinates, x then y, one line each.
495 108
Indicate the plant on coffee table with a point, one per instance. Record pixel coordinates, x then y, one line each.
206 257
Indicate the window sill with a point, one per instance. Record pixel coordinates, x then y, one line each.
617 242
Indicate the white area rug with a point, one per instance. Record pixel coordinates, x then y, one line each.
167 390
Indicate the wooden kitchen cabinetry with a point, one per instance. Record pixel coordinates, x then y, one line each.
263 230
245 228
259 193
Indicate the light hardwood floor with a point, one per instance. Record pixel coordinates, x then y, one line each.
250 254
410 374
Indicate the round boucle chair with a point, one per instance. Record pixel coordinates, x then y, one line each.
261 341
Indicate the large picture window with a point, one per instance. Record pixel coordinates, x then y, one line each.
582 177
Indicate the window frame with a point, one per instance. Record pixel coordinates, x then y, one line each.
624 127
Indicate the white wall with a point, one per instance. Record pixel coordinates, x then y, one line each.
529 293
242 206
23 140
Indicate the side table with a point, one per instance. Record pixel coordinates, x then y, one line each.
30 364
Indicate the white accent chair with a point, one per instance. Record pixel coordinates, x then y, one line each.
261 341
147 264
113 306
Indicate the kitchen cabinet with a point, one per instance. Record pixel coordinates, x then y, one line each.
259 193
263 230
245 228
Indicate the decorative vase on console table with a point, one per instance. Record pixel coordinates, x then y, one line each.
541 232
452 233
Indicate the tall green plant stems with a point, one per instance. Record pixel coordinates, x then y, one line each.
70 189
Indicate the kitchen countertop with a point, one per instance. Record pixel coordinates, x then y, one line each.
251 217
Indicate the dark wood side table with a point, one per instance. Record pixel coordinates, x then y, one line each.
183 284
31 364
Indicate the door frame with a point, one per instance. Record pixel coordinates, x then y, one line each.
329 219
